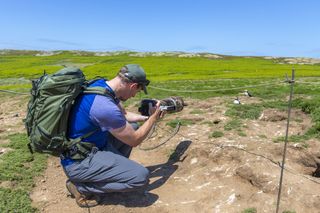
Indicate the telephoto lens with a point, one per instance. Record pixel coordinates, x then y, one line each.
170 105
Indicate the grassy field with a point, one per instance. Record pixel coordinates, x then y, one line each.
196 77
179 75
159 68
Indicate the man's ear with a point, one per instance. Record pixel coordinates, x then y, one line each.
136 85
131 85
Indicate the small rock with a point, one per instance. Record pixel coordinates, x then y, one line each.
298 145
193 161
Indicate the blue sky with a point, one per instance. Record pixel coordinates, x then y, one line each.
232 27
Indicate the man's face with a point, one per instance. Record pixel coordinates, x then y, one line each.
131 91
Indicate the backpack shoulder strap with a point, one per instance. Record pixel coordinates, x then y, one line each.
100 91
97 89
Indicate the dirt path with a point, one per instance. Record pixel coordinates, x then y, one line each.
193 172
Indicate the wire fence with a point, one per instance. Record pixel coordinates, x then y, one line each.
199 91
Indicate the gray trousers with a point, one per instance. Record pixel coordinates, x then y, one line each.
107 171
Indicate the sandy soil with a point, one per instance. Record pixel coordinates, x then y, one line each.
226 174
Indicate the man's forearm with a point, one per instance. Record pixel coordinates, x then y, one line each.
144 130
133 117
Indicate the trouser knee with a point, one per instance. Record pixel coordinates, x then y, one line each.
141 178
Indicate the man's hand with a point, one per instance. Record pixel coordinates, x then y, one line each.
156 112
151 108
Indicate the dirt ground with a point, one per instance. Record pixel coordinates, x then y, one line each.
193 172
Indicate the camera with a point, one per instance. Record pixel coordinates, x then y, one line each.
170 105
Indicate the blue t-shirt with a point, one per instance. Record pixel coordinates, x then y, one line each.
98 113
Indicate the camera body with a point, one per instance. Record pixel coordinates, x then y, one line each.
170 105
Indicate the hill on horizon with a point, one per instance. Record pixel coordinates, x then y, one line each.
145 53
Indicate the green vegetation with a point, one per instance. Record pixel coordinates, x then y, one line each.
250 210
309 106
244 111
160 68
216 134
262 136
196 111
235 124
18 167
254 210
183 122
15 201
242 133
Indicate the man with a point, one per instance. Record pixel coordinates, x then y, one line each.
114 132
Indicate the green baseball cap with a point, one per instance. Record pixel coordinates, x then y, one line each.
135 74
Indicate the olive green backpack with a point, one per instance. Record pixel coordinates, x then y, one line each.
52 97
